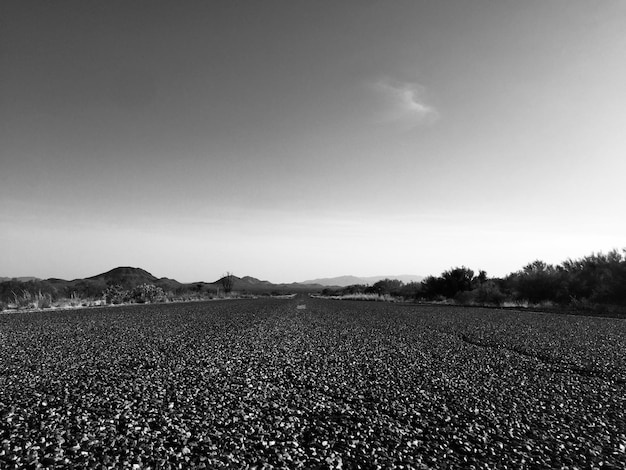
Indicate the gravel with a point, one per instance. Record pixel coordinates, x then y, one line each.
311 383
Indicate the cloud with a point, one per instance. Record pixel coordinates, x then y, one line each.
404 103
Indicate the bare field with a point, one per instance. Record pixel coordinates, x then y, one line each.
301 383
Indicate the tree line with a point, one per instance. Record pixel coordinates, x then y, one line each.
594 281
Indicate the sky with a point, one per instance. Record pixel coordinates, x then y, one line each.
291 140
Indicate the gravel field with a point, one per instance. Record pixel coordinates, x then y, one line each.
311 383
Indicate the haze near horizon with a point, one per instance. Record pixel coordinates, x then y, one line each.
293 140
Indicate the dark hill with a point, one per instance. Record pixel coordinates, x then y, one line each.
125 276
252 285
129 278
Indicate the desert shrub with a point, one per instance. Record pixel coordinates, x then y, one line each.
537 282
116 295
75 299
147 293
373 297
411 290
23 300
227 282
40 300
457 280
388 287
169 296
598 278
449 284
489 293
465 297
432 287
9 290
85 289
352 289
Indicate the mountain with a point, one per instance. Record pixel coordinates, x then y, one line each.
128 277
125 275
343 281
19 279
252 285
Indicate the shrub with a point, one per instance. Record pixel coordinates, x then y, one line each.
465 297
537 282
116 295
228 282
432 287
411 290
598 278
24 300
75 300
147 293
489 293
348 290
388 287
449 284
42 300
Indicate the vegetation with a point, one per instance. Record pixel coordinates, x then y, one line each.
227 281
593 283
147 293
116 295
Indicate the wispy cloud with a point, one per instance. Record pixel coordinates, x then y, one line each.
404 103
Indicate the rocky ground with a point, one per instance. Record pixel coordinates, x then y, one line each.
311 383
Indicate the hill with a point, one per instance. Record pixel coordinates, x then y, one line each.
252 285
125 275
343 281
19 279
129 278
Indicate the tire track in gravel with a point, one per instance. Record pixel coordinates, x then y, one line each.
545 359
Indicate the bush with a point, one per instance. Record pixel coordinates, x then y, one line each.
411 290
388 287
349 290
598 278
465 297
116 295
449 284
24 300
489 293
42 300
9 290
75 300
537 282
147 293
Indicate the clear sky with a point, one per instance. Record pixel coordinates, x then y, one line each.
288 140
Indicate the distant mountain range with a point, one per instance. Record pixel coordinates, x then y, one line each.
129 277
19 279
343 281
